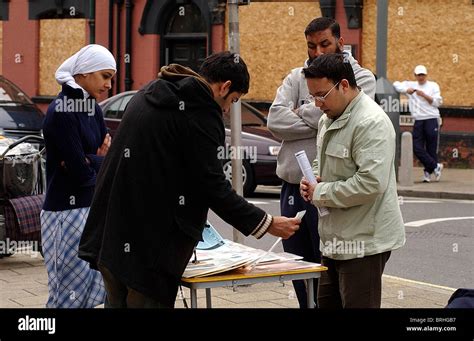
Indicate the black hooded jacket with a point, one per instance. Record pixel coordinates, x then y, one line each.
156 185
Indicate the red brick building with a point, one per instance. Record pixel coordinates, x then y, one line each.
143 35
36 36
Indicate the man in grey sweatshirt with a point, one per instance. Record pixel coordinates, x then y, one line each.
293 118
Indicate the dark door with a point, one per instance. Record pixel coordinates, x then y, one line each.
185 36
187 52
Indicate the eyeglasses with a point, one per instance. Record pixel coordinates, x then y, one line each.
320 99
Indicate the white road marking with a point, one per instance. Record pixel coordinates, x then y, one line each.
418 223
418 282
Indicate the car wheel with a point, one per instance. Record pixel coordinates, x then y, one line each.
248 180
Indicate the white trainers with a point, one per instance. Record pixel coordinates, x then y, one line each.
426 177
438 170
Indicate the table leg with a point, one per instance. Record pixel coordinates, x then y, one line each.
310 292
208 298
193 298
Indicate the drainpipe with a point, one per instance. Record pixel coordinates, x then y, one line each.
118 49
111 35
92 22
128 44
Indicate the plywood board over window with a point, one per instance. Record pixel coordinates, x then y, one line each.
272 42
435 33
59 39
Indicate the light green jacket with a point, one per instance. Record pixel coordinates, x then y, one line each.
355 159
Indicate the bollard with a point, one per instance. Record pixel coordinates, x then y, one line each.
405 173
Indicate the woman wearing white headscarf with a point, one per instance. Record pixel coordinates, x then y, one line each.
76 143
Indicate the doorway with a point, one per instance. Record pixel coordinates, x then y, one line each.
185 39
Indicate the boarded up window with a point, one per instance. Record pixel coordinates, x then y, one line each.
272 42
59 39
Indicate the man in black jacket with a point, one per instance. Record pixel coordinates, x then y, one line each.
159 179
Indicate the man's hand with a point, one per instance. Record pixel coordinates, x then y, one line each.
424 95
421 93
102 150
284 227
307 189
410 91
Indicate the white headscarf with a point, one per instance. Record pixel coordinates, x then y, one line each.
90 58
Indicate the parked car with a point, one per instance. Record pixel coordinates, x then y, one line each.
258 144
19 116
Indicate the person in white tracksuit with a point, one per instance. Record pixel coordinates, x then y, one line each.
424 98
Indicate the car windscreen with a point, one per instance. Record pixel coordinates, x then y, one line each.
23 117
249 119
12 95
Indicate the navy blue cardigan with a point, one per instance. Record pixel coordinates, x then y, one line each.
72 134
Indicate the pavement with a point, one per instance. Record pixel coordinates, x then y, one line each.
454 184
23 278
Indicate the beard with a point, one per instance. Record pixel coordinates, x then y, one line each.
338 50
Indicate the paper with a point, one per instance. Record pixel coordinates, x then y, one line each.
307 171
305 166
284 266
322 211
300 214
256 261
225 257
216 255
228 256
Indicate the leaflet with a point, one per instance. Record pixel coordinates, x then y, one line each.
307 171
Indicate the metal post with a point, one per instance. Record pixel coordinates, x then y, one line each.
385 92
382 22
406 165
310 292
235 112
208 298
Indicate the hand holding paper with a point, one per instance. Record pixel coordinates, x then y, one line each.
309 175
306 189
299 216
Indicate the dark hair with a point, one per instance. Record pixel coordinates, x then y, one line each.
333 66
226 66
321 24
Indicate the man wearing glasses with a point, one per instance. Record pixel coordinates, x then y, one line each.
293 118
357 184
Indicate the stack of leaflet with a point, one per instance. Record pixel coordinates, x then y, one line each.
216 255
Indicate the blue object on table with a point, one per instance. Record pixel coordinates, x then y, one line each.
211 239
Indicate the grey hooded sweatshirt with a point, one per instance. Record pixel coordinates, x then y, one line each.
293 118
